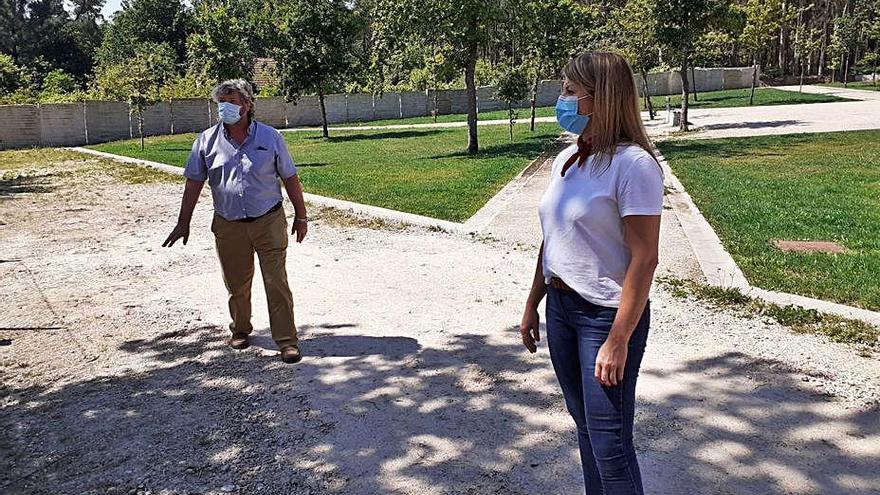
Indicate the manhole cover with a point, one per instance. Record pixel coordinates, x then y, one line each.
809 246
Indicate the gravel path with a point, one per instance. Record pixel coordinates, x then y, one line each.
116 380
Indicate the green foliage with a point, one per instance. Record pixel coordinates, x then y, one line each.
58 83
219 49
315 45
633 30
185 86
512 86
146 21
10 75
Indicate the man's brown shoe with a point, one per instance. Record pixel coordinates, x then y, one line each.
239 341
290 354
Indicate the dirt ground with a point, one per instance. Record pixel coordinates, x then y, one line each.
115 378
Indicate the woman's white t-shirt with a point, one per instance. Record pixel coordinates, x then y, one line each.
582 219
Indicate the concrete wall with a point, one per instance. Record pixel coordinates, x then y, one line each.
107 121
305 112
19 126
336 107
486 101
271 111
157 120
387 106
192 115
62 124
359 107
96 121
414 104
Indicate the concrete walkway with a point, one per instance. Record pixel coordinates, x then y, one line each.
782 119
516 219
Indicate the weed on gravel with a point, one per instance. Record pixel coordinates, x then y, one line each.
861 335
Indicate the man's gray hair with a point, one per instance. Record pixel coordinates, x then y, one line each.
240 86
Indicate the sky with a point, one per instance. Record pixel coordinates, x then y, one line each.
110 7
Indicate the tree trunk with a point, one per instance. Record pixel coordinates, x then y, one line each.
324 131
694 82
534 104
684 95
754 80
469 74
801 89
648 104
510 120
874 74
846 70
141 127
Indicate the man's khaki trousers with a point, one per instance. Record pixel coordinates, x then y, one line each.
236 243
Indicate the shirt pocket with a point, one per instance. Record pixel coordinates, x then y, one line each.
262 164
214 164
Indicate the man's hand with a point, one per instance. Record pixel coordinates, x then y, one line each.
181 230
300 228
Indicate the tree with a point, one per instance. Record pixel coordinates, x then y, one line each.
137 80
10 75
461 25
218 50
846 34
314 49
680 23
550 32
633 28
143 21
512 87
58 83
806 42
762 20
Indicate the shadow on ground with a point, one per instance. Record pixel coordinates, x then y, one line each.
364 414
770 124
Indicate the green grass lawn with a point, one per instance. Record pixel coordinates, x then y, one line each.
740 98
796 187
856 85
713 99
424 171
523 116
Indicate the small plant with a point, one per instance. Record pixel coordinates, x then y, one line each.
513 87
862 335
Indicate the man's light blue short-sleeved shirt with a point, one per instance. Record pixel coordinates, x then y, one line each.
243 179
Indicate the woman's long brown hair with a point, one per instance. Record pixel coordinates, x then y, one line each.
616 118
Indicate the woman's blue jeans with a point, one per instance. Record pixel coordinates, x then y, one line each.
576 329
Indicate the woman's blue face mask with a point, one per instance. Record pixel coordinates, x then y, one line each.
567 114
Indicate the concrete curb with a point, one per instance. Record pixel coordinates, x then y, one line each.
171 169
719 267
373 211
385 213
496 204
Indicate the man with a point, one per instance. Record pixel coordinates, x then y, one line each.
242 160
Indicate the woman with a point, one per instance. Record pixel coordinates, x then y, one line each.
600 217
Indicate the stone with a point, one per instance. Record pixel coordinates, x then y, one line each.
809 246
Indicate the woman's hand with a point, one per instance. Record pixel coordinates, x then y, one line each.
529 329
611 361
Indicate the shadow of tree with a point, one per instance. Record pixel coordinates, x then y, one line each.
22 184
368 135
366 414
